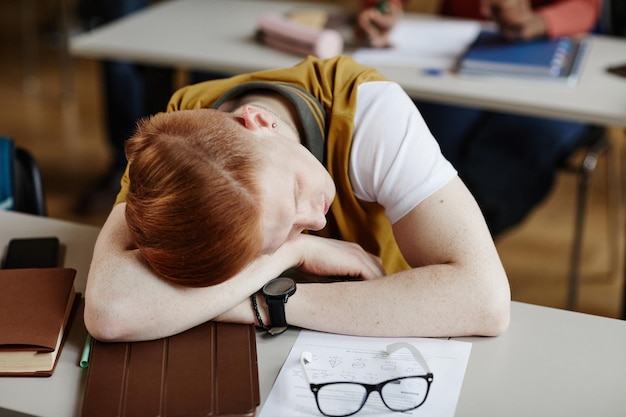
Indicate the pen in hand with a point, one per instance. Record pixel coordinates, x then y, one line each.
382 7
375 22
382 26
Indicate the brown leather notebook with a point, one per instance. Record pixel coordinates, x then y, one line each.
210 370
35 308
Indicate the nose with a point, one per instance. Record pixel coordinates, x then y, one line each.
311 216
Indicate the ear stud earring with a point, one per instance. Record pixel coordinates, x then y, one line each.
274 125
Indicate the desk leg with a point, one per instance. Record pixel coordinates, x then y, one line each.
622 178
624 298
616 216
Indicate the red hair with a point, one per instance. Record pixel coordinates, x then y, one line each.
193 202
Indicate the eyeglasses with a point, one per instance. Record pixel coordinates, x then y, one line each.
340 399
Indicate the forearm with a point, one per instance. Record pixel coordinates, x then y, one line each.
433 301
147 307
440 300
125 300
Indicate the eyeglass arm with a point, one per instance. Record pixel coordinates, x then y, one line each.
305 358
416 353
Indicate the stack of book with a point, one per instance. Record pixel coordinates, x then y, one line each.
35 309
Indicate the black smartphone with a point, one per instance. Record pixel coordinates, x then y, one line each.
36 252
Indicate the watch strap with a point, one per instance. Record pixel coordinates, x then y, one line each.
275 331
276 307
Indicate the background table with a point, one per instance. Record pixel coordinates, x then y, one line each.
549 363
218 35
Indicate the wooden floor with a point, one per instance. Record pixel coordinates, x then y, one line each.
57 115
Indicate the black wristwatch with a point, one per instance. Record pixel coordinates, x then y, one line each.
277 292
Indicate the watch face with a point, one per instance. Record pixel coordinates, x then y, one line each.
279 286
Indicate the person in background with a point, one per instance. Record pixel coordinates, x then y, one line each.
509 162
131 91
325 167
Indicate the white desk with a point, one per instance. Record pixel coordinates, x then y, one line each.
61 394
549 363
217 35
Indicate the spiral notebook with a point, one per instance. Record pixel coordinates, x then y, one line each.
556 59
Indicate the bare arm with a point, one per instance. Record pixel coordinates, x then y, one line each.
125 300
457 286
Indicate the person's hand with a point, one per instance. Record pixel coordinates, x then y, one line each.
374 25
516 18
331 257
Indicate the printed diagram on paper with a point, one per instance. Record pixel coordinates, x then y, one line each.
359 365
363 359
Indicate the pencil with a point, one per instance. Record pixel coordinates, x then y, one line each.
84 358
382 7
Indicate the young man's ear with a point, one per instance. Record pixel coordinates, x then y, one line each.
256 118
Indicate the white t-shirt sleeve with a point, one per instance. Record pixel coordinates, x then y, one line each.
394 158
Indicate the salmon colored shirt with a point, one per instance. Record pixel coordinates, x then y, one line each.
562 17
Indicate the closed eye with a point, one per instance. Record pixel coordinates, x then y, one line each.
296 191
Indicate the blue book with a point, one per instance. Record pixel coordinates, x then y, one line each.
544 59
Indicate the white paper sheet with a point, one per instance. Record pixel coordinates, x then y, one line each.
426 44
338 357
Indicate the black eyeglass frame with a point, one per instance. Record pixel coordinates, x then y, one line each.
305 358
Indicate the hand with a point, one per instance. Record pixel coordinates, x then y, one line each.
516 18
373 26
331 257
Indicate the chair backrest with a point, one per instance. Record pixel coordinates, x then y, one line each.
613 17
21 187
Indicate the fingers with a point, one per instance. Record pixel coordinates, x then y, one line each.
330 257
373 26
516 19
375 269
531 28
